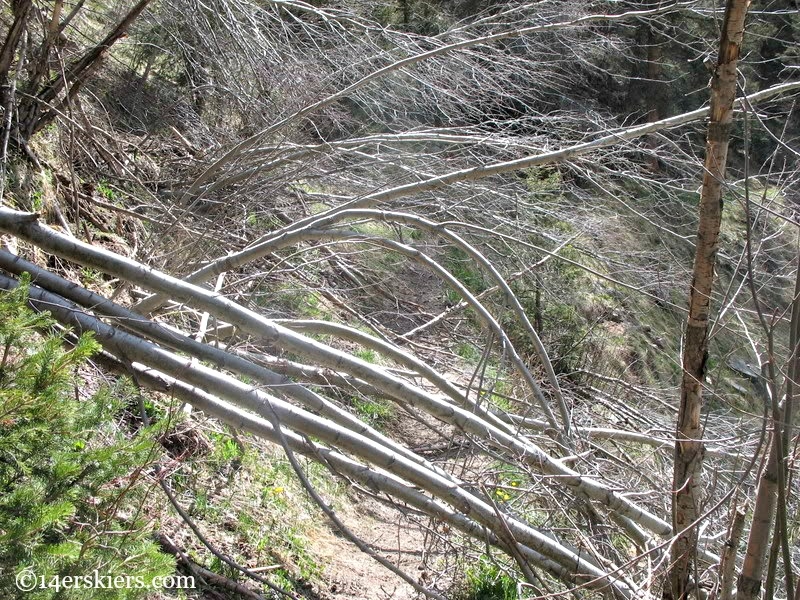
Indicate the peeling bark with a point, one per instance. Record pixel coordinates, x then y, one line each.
689 447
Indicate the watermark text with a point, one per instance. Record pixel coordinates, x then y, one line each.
28 580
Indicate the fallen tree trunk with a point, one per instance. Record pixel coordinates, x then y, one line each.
283 239
517 448
534 545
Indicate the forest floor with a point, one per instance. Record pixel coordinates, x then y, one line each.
349 573
397 536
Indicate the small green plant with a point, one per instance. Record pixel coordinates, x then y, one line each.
272 515
468 352
226 449
262 221
496 388
67 475
374 411
487 581
544 179
106 191
366 354
463 268
301 302
91 276
376 228
416 234
37 200
510 482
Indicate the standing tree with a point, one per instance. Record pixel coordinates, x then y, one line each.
688 468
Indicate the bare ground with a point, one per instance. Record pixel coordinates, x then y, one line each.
349 573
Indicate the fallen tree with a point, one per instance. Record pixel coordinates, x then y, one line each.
386 466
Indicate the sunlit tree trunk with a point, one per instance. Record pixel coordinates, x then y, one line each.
687 478
749 583
768 495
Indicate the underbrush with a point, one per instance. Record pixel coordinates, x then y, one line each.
486 580
73 486
78 493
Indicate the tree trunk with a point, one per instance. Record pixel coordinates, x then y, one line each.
25 226
37 112
481 516
687 483
21 10
768 493
749 584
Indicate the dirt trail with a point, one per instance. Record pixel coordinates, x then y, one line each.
351 574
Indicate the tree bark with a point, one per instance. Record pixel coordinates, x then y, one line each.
687 477
749 584
727 563
217 266
39 112
20 9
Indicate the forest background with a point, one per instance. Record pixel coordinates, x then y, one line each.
507 291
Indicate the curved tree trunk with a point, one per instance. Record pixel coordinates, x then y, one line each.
687 478
26 226
480 518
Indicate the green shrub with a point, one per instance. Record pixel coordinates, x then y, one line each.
69 479
464 268
487 581
375 412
